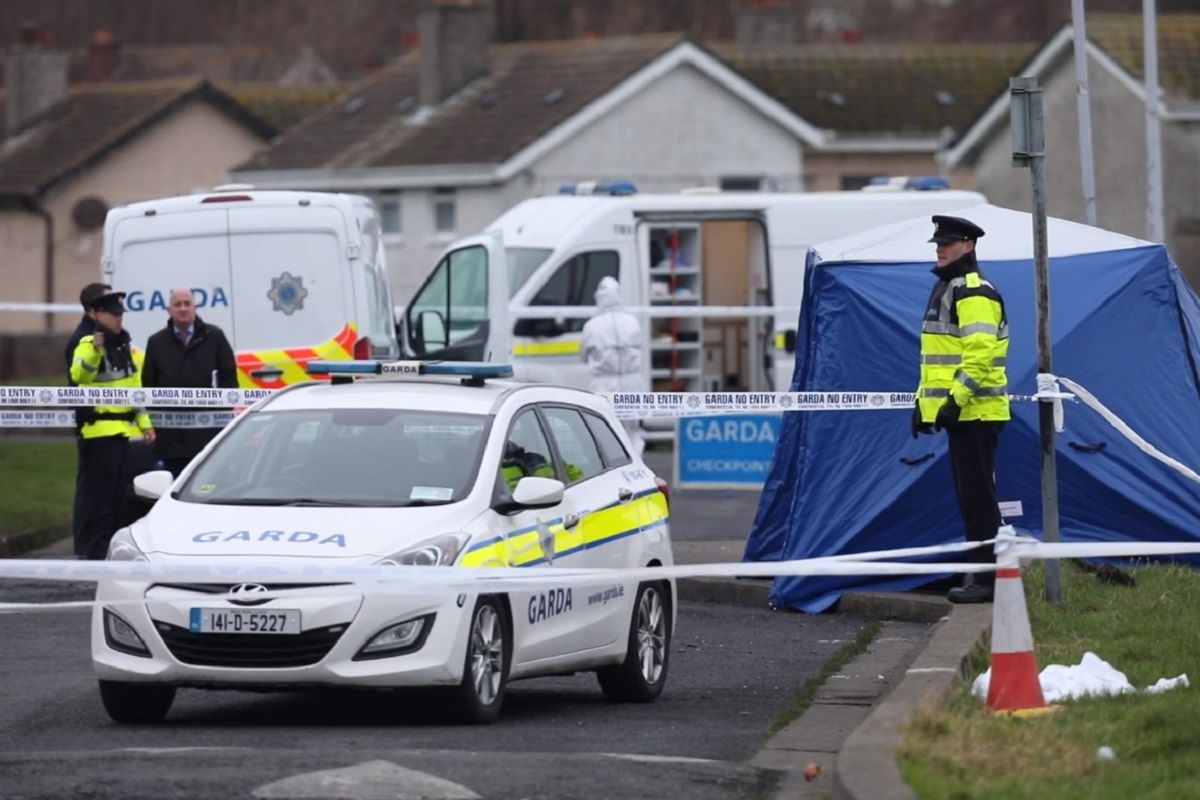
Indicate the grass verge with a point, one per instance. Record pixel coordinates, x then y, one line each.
37 484
960 750
806 693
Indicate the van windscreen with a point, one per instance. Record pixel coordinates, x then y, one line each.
522 263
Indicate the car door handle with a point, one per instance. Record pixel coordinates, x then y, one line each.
570 521
266 372
624 495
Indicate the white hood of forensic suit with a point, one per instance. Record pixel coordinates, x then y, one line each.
194 529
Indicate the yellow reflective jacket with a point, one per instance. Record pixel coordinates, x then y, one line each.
91 367
964 346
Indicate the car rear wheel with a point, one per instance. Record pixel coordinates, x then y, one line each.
480 695
136 702
641 676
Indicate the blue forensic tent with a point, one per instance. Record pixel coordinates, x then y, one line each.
1125 325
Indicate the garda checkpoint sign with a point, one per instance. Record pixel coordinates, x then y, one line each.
728 451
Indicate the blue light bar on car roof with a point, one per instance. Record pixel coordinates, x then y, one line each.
476 370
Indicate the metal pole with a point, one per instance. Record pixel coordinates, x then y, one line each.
1083 110
1154 178
1029 150
1041 264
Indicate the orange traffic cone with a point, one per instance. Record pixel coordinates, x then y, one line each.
1014 684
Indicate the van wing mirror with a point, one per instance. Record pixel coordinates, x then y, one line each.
544 327
431 330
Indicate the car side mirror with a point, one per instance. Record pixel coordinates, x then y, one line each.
544 327
530 492
153 485
535 492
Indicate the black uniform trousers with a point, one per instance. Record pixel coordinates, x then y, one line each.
101 491
973 461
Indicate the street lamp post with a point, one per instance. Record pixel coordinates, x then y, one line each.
1029 150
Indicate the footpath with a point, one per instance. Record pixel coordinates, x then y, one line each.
853 726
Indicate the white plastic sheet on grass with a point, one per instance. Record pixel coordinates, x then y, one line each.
1092 676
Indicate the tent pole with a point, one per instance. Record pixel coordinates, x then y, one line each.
1029 150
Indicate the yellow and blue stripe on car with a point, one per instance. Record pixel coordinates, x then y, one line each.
522 548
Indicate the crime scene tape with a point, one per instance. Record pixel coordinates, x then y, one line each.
54 308
159 419
660 311
1011 548
58 396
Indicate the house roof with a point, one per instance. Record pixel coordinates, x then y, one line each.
530 88
1120 36
281 106
1115 44
93 120
894 90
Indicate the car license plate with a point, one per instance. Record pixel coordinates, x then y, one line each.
244 620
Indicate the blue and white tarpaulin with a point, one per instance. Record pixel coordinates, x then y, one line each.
1125 324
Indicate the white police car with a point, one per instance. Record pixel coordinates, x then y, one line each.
449 468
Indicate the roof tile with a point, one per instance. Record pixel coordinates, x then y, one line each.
489 121
93 119
881 89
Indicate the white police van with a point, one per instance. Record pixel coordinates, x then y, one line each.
446 467
718 278
289 276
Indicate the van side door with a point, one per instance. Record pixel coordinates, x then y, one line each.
152 254
460 313
548 348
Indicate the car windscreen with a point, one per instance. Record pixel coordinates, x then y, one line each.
346 456
522 263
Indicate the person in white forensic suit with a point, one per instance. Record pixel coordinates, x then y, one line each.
612 349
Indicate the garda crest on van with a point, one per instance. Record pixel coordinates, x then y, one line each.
287 293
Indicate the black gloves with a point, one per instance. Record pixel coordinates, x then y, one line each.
917 425
947 415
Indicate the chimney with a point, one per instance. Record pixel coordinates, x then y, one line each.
104 56
36 78
454 40
764 22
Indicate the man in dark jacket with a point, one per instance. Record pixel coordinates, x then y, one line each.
188 353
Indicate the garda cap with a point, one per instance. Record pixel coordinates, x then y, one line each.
109 301
954 229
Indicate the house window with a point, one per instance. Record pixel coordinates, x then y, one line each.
390 219
445 216
741 183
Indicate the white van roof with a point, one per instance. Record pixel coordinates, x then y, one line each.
545 222
259 197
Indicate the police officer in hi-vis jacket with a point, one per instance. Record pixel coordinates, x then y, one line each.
105 358
964 386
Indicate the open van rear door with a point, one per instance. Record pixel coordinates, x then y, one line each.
461 313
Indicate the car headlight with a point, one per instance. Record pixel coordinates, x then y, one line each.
120 636
399 639
440 551
122 547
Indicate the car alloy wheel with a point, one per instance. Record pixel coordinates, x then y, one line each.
640 677
479 696
487 654
651 634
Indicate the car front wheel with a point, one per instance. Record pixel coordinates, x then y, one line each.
480 695
641 676
136 702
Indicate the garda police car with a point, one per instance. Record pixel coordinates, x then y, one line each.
445 466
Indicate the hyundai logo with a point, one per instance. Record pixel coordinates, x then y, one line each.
247 594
